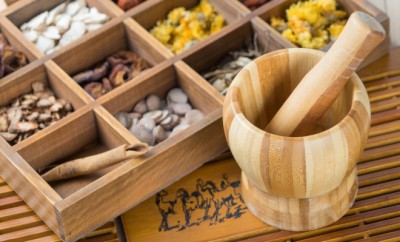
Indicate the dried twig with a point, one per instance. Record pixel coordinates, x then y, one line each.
94 163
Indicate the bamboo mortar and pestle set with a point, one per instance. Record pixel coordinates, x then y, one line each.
296 121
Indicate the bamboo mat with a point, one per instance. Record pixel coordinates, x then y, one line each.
374 217
19 223
182 213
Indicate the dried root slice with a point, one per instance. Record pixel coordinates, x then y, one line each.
91 164
23 127
8 136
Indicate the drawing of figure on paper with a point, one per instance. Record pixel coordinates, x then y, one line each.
231 198
208 204
166 208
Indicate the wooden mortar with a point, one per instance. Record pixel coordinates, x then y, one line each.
294 183
306 182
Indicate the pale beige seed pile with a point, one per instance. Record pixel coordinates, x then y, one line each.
153 119
30 113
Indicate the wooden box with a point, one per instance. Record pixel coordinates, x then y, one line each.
91 128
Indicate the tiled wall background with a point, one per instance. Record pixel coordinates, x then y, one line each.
392 8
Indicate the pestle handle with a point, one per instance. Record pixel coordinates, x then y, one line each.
322 84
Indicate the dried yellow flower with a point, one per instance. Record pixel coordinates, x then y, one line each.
336 28
184 28
311 24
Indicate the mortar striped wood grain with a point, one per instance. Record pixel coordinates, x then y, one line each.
294 183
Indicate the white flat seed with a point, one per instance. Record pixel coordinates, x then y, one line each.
82 14
38 23
165 114
159 134
140 107
96 18
175 120
31 35
92 27
179 128
181 108
153 102
76 31
54 12
124 119
74 7
52 33
167 121
155 115
94 10
193 116
143 134
147 123
44 44
176 95
135 115
62 22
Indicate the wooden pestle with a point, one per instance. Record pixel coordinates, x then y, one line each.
320 87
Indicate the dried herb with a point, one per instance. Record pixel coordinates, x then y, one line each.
223 74
10 58
113 72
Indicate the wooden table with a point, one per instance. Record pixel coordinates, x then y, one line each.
374 217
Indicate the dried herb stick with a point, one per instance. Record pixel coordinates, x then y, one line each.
90 164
